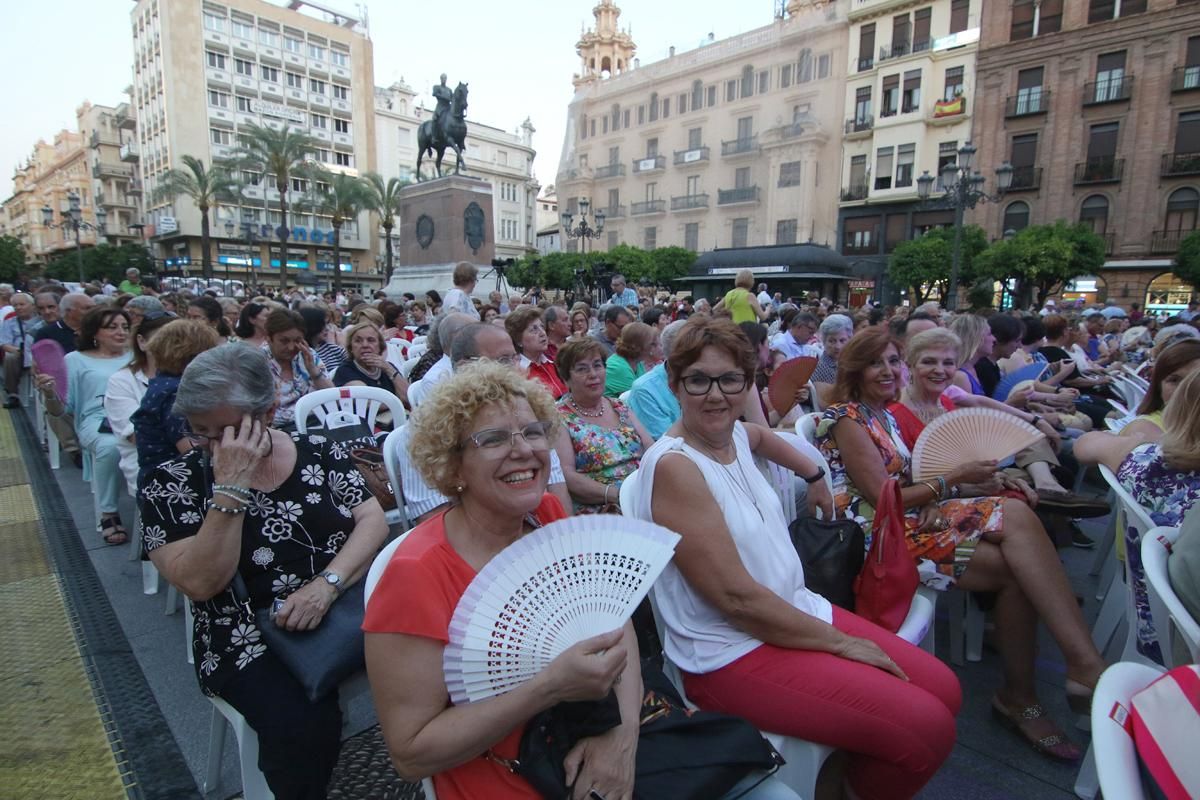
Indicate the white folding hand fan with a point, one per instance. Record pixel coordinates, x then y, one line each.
561 584
969 434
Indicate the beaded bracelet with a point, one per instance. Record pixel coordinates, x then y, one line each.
233 512
233 491
942 485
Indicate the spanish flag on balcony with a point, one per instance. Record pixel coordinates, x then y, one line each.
948 108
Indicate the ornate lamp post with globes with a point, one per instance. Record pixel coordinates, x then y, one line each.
963 190
584 229
72 219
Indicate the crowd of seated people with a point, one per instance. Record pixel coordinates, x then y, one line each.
196 418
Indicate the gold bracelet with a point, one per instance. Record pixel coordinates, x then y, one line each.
936 494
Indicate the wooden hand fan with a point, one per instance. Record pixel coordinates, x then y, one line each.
969 434
789 377
569 581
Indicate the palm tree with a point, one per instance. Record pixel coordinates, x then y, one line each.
385 202
279 153
339 197
207 188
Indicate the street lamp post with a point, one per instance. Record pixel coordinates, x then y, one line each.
963 189
248 224
72 219
584 229
230 228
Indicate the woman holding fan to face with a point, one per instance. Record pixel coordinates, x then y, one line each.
985 544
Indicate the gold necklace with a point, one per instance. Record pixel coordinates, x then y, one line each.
924 411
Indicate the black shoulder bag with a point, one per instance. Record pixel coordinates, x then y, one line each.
832 552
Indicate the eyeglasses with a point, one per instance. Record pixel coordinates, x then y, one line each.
497 442
507 361
697 383
582 369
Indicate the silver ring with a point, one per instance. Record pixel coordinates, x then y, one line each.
594 795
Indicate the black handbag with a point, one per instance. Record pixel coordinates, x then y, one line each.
323 657
832 553
681 754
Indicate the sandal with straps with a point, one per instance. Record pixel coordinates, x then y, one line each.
1056 745
113 531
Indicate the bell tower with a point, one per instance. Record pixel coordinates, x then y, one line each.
605 50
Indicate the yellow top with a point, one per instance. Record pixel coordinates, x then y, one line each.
737 301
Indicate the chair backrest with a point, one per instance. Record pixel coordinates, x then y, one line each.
380 564
408 366
1136 517
1164 603
1115 425
50 359
1134 377
814 397
417 350
393 456
363 401
1116 756
1120 408
806 428
397 352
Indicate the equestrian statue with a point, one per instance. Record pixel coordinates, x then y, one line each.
448 128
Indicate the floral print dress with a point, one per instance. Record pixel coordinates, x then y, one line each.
1165 494
942 556
606 455
288 536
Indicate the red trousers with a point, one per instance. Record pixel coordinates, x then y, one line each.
897 732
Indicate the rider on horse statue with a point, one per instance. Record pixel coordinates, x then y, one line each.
447 129
443 94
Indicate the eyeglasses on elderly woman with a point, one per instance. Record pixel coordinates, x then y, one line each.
697 383
497 442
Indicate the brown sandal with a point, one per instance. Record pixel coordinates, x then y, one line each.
112 531
1056 745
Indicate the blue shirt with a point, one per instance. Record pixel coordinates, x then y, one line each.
157 427
627 297
653 402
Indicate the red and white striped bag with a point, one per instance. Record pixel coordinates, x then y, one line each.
1165 722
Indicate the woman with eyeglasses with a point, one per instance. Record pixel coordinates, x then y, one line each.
159 433
750 639
528 332
291 516
603 441
102 349
500 427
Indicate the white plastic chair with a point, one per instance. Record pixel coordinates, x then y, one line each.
1119 601
363 401
393 456
397 351
416 350
1111 764
378 566
1172 620
408 366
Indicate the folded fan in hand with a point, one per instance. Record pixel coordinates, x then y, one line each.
569 581
969 434
789 377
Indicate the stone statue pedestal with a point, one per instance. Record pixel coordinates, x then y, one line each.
442 222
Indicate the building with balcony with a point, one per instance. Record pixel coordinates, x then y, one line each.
1101 122
85 162
727 145
503 159
203 71
909 99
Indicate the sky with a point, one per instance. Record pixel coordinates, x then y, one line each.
518 57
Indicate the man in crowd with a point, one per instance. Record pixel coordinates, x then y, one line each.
614 317
558 328
133 283
67 318
651 397
794 342
447 328
138 307
622 295
764 298
15 333
473 341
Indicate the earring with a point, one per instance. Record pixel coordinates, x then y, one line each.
459 488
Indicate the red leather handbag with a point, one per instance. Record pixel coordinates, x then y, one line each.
884 589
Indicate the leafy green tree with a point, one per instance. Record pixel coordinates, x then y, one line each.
1187 262
385 201
669 264
558 270
1043 258
102 262
526 272
207 187
278 153
340 197
924 263
632 262
12 258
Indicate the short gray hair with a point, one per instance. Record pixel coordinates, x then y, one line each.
552 313
232 374
70 300
146 303
667 337
450 325
834 324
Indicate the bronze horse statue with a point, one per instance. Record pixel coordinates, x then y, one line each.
435 135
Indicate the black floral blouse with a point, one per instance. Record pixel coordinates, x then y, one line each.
288 536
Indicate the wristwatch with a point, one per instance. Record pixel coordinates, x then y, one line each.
333 578
820 474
